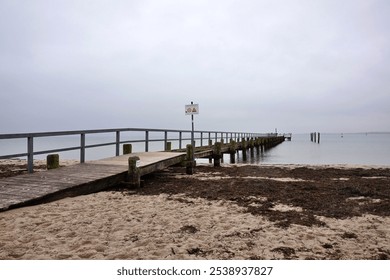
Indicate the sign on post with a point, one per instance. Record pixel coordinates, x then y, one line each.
192 109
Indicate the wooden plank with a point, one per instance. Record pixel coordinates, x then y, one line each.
78 179
202 154
160 165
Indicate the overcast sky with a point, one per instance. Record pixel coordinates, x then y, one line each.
252 65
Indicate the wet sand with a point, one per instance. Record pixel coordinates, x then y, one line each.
236 212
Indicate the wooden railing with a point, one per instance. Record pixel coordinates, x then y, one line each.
165 136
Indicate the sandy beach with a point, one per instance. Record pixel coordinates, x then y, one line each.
232 212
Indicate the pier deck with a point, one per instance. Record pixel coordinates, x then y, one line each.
94 176
78 179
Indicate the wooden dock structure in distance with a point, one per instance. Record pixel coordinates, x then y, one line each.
287 136
94 176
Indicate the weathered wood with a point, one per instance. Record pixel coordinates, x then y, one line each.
243 149
160 165
134 174
53 161
190 163
127 149
29 189
232 150
217 154
97 175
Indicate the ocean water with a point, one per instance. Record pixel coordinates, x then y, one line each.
347 148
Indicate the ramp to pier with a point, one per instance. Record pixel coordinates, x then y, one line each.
78 179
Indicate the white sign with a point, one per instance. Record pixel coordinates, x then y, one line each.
192 109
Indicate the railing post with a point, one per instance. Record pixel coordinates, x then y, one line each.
165 140
146 141
118 139
82 148
180 139
30 152
201 139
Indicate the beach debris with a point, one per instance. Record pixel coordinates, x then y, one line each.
189 229
286 251
349 235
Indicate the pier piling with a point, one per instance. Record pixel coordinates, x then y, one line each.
53 161
217 154
127 149
243 148
232 150
168 146
134 177
190 163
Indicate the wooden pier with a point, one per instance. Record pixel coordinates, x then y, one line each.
94 176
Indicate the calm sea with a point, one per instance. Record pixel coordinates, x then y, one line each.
347 148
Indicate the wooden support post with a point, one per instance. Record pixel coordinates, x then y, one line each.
53 161
266 143
318 138
190 163
210 144
257 145
251 147
217 154
127 149
133 176
261 145
232 151
243 148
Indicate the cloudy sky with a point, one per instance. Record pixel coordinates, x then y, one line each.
252 65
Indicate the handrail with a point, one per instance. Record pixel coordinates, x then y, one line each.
201 135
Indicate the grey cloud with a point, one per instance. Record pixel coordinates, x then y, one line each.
307 64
